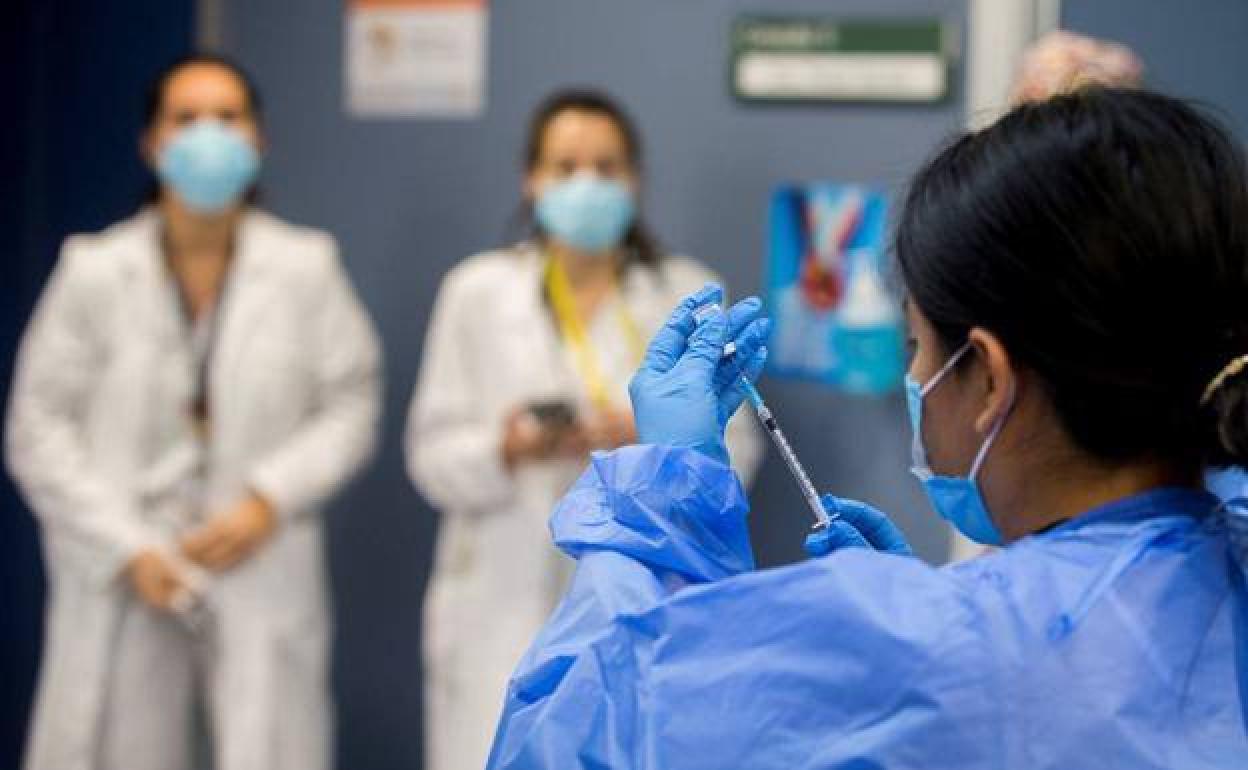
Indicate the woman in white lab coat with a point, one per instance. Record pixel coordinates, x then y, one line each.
500 425
195 382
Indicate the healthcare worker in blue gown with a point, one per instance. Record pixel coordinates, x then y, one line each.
1075 278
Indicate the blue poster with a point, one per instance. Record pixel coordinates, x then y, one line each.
835 321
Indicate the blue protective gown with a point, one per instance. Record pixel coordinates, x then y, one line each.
1227 483
1118 639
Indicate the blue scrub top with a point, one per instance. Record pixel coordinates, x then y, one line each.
1118 639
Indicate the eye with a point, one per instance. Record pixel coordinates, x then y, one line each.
229 115
184 117
912 347
609 167
565 167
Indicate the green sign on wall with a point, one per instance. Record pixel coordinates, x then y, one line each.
818 59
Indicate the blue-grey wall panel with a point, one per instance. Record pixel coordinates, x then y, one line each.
408 199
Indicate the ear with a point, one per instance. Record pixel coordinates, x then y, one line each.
531 186
147 148
1001 382
632 178
634 184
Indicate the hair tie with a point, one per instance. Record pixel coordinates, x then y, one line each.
1233 368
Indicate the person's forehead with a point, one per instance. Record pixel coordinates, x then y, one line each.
205 82
573 129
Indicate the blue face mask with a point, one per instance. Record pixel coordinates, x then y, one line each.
957 500
208 165
586 212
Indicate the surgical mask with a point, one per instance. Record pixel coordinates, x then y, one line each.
209 165
586 212
958 500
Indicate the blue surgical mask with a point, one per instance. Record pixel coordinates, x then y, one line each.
958 500
209 165
588 213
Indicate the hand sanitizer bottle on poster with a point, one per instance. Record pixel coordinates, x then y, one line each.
868 336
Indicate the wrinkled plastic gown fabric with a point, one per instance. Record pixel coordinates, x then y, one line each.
1227 483
1114 640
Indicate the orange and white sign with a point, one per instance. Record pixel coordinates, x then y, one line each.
416 58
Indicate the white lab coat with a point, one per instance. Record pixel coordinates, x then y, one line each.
99 400
493 345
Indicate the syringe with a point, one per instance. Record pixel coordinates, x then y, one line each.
822 519
786 451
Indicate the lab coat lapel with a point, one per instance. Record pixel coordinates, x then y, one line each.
246 296
150 286
529 310
154 341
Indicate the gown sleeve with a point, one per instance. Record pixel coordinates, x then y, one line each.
670 651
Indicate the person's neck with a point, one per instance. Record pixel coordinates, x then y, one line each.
194 237
1064 490
587 273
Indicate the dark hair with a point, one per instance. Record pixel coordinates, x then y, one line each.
1103 237
155 99
640 245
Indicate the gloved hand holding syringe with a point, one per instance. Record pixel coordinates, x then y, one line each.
697 372
768 420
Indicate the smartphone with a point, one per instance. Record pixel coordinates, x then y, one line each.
554 415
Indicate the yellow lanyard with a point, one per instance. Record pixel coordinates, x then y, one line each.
577 337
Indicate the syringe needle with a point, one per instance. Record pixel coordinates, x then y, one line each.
822 520
790 457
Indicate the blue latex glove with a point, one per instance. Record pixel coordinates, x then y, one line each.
856 525
686 389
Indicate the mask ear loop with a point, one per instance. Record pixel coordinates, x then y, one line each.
918 454
997 425
940 375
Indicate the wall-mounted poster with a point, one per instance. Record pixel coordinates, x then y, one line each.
416 58
835 320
